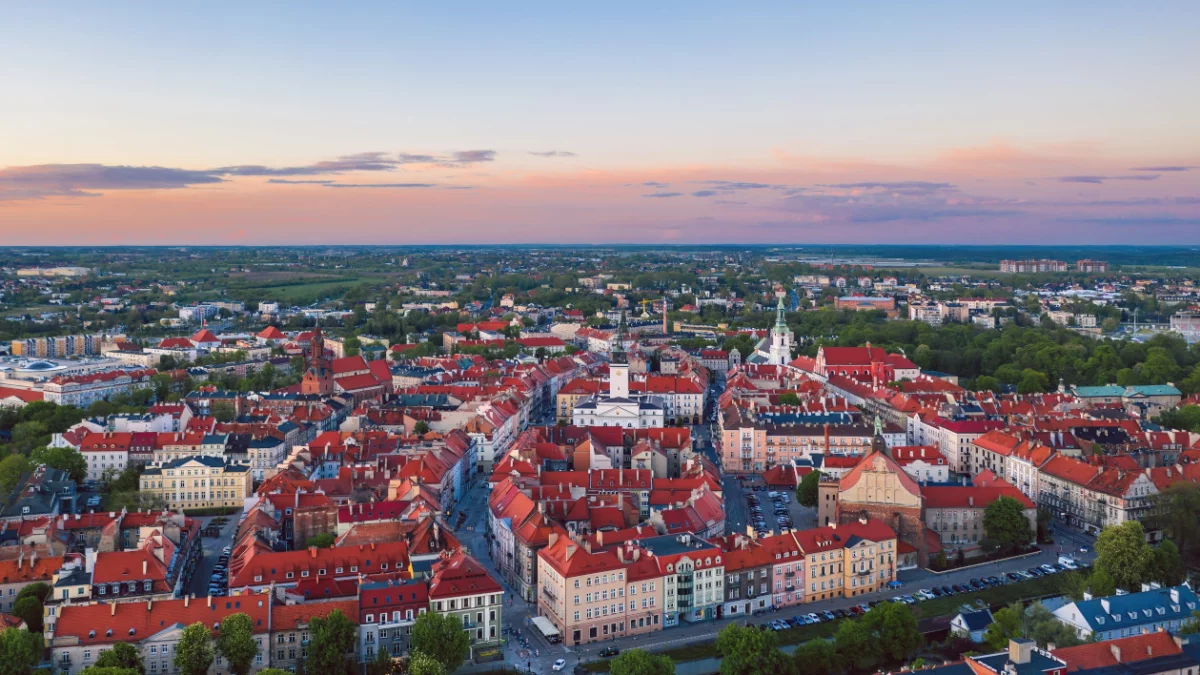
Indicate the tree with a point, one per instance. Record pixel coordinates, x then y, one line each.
789 398
382 664
29 608
420 663
895 630
441 636
421 428
1122 552
806 492
122 655
1005 526
223 411
12 468
641 662
107 670
1192 625
194 653
1101 584
65 459
815 657
39 590
322 540
1006 625
749 651
856 648
28 435
332 637
235 642
1168 564
1041 626
1175 510
1072 585
20 651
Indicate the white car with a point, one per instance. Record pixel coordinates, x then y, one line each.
560 664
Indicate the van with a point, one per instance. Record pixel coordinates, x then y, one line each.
772 494
1068 562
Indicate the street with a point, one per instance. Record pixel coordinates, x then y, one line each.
211 550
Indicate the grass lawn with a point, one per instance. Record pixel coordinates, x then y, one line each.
1033 589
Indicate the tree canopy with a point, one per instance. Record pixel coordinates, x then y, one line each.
441 637
333 637
1005 526
1123 554
749 651
235 642
194 653
122 655
641 662
20 651
806 491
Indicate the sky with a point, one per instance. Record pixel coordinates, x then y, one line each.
674 123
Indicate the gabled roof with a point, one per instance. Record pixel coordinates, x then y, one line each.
459 575
1131 649
107 623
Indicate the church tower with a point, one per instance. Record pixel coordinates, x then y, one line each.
318 379
618 367
780 353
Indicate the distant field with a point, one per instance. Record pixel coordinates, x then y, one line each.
273 277
291 292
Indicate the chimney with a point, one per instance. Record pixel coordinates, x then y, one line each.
149 604
1116 652
571 548
971 500
186 600
112 611
209 600
312 551
145 567
1020 650
552 538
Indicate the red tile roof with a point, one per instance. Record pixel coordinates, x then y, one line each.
1133 648
962 497
459 575
129 621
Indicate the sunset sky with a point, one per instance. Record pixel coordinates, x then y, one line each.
730 122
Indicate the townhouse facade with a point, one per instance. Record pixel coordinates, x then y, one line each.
198 483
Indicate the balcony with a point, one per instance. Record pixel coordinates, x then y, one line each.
789 575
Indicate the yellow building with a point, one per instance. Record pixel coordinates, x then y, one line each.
198 483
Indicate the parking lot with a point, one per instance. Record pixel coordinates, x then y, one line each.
208 569
931 592
772 511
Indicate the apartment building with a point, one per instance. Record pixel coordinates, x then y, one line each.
1015 459
953 438
846 560
693 575
62 346
1092 497
198 483
105 452
461 587
597 595
387 610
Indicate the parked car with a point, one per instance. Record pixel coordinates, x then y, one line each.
609 651
560 664
947 590
828 616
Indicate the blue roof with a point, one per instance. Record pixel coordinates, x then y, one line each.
1097 392
978 620
1155 390
1039 662
1134 609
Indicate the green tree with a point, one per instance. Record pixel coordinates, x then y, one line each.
441 637
29 608
1175 510
421 428
1006 625
1169 569
857 648
20 651
1041 626
789 398
273 671
322 540
1122 552
641 662
807 491
1072 585
420 663
122 655
382 664
235 642
64 459
1192 625
815 657
194 653
1101 584
107 670
39 590
1005 526
28 435
223 411
12 468
895 630
332 638
749 651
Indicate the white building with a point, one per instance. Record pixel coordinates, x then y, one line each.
619 408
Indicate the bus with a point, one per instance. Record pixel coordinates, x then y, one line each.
547 629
